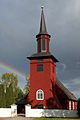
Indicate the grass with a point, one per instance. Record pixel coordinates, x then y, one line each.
58 119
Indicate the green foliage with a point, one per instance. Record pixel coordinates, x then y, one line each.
2 96
10 81
9 78
10 93
10 99
27 86
78 107
19 95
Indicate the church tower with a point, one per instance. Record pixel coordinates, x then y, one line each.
42 71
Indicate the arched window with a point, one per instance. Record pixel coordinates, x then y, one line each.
40 94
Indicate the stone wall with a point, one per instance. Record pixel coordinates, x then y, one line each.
49 112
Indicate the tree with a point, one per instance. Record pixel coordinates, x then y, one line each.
9 78
2 96
20 95
27 86
78 106
11 90
10 82
10 99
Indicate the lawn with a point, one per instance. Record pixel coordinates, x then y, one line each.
58 119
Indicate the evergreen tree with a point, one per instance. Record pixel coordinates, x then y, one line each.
10 99
12 92
2 96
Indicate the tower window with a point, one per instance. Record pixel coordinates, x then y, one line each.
43 44
40 67
47 45
39 95
53 68
39 45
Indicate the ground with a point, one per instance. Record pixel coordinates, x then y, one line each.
17 118
24 118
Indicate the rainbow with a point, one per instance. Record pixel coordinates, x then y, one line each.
7 68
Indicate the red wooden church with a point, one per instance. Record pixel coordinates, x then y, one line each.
46 91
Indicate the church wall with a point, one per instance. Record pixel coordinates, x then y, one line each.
41 80
62 98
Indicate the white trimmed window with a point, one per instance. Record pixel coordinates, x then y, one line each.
73 105
69 105
39 94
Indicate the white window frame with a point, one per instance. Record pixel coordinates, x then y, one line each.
73 105
69 105
38 93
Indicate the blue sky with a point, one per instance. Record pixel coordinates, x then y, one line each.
19 24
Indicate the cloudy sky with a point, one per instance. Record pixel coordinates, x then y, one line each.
19 24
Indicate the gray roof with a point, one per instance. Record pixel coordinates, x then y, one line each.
43 30
43 55
66 91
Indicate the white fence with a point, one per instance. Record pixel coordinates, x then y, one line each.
8 112
49 112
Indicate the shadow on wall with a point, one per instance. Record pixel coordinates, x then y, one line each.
59 113
53 101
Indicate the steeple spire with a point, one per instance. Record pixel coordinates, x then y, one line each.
43 29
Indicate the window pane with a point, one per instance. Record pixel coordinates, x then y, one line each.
40 95
39 45
39 67
43 44
47 45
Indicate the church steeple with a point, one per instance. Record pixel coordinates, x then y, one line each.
43 38
43 29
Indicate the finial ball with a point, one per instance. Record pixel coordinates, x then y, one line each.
42 6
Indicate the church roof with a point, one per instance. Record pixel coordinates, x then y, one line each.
66 91
43 29
42 55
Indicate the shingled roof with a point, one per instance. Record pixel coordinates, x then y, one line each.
42 55
66 91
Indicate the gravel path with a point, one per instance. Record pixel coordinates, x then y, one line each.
19 118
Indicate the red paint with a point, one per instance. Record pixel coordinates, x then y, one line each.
42 80
41 38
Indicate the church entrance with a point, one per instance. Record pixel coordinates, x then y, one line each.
21 110
40 106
